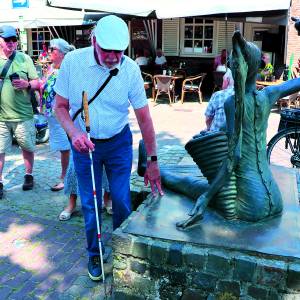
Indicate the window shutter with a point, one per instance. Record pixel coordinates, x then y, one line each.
170 37
224 37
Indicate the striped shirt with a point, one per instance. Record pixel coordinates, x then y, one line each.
215 109
109 111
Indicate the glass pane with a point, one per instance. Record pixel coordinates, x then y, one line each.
40 36
208 46
198 46
198 32
188 32
198 20
47 36
34 36
208 32
34 45
188 43
188 20
197 43
209 21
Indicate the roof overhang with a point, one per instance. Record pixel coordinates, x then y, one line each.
177 8
40 17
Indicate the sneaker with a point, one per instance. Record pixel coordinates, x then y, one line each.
1 190
28 182
94 268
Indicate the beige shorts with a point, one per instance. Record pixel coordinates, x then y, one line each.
24 132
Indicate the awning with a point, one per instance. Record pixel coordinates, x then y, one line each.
164 9
40 17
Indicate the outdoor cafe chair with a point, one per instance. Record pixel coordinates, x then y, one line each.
218 80
290 101
164 84
148 81
192 84
295 73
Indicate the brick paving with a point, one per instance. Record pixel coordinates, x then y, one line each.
43 258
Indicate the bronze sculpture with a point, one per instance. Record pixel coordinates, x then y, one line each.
254 195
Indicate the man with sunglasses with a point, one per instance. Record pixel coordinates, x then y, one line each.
86 70
16 115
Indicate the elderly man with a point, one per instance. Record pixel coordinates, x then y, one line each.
16 115
215 114
111 139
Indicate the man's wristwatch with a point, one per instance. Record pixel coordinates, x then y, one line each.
152 158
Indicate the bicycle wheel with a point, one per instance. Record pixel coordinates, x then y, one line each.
284 148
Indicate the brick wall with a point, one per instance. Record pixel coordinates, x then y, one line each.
293 40
149 268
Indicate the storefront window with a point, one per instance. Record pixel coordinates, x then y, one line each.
39 36
198 36
83 37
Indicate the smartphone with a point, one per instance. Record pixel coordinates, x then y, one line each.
14 76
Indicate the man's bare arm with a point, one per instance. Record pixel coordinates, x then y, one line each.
79 138
208 122
146 125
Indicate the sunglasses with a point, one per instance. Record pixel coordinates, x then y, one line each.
109 51
10 39
51 49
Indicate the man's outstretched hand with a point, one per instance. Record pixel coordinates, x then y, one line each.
152 175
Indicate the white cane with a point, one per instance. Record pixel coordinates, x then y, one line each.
87 126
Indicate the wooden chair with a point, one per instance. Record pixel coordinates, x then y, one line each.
218 80
192 84
295 73
289 101
164 84
148 82
278 72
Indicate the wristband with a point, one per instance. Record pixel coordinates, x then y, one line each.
152 158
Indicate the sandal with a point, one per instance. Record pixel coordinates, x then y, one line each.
109 210
65 215
58 187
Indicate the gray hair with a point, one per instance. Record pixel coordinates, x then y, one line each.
228 77
62 45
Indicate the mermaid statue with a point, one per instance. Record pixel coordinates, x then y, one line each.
239 182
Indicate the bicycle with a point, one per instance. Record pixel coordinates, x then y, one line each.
284 148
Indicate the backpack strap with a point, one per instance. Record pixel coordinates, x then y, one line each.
5 69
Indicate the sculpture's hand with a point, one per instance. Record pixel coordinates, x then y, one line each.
196 213
190 221
200 205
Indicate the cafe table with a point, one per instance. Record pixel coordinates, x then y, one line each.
268 83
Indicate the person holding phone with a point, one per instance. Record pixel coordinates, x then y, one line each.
16 114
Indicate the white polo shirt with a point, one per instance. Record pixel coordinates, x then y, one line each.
109 111
160 60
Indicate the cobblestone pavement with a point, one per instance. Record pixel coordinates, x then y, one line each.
42 258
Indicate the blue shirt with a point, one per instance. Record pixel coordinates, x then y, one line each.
80 72
215 109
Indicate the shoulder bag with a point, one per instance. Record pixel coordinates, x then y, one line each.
112 73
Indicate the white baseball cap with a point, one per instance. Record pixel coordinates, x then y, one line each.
112 33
